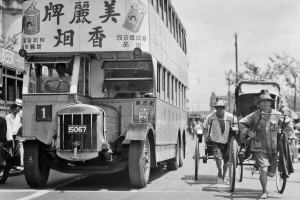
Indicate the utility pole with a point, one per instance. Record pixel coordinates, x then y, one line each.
295 95
229 95
236 61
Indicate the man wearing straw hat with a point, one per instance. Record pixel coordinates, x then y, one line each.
263 126
219 122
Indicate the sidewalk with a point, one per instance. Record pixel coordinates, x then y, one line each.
296 174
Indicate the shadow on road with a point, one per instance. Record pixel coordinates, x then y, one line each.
112 182
202 179
240 193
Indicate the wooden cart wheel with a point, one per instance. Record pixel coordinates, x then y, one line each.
197 158
280 182
232 163
241 171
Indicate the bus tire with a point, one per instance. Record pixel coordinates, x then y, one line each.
181 155
175 163
35 168
139 162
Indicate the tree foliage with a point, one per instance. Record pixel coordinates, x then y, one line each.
8 42
282 68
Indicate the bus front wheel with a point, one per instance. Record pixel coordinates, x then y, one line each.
139 163
35 168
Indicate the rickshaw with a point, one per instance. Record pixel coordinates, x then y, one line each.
246 96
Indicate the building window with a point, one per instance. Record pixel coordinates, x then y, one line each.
158 78
11 89
163 80
168 85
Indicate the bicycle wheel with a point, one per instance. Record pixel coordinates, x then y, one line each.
280 181
196 158
232 163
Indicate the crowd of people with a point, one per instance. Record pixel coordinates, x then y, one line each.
261 126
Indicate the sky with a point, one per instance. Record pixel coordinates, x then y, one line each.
263 27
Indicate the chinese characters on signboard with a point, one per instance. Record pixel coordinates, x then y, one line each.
73 21
144 111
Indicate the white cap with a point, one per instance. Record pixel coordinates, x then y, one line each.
18 102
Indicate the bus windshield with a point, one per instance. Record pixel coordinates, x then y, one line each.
51 77
124 78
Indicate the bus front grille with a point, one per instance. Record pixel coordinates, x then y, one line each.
84 141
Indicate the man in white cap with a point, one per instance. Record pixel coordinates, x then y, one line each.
19 133
263 126
219 123
19 104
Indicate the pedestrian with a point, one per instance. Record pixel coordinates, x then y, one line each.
192 128
219 123
19 137
13 124
3 129
263 126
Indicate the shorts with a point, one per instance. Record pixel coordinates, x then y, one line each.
263 160
220 151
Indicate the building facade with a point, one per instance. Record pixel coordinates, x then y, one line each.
11 64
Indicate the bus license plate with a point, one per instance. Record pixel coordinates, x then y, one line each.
77 129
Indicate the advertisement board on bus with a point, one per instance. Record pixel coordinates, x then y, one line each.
88 26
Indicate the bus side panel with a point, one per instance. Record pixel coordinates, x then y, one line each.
170 121
124 107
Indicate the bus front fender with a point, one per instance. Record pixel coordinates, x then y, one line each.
138 131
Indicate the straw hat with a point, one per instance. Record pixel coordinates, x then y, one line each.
264 95
18 102
220 102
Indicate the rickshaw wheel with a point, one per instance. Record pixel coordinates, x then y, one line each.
197 158
35 168
241 171
139 163
280 182
232 163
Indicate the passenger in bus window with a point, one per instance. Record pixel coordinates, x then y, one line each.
61 69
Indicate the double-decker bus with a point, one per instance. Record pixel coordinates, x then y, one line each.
104 88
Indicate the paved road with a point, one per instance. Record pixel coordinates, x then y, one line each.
163 184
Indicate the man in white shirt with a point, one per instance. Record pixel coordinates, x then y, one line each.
13 123
219 123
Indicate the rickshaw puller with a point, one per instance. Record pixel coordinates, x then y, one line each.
220 126
263 127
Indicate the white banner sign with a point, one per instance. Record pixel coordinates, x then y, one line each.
85 26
